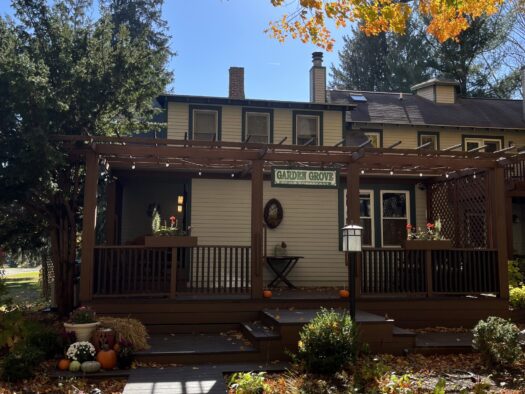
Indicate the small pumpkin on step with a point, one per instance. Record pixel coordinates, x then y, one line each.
107 358
267 294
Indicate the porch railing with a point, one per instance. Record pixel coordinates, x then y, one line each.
131 270
515 170
436 272
216 270
145 271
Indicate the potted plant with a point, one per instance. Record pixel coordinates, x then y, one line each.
82 321
125 354
430 238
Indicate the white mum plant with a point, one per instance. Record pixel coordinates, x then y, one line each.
81 351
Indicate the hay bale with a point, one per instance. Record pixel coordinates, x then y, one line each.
128 329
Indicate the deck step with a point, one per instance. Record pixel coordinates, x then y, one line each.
443 343
402 332
302 316
199 348
258 331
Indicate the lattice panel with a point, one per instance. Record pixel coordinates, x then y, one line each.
461 205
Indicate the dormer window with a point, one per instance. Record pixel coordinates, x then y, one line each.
257 126
307 128
205 123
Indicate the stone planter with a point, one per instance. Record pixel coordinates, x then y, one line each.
82 331
418 244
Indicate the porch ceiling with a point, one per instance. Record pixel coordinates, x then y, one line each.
213 156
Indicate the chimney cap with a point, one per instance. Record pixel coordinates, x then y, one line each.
317 55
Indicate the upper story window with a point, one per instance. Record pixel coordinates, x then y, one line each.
205 124
375 138
430 138
308 127
491 144
258 126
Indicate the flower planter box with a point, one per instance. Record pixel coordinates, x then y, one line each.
169 241
419 244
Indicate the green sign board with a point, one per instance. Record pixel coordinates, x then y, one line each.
305 177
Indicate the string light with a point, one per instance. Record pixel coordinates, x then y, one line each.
420 174
133 166
233 175
446 175
200 173
391 172
362 172
167 164
474 176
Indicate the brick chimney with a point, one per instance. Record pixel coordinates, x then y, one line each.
236 90
317 79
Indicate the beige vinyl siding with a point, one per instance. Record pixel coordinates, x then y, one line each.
332 127
426 92
231 123
447 136
221 211
178 120
445 94
282 125
231 130
221 216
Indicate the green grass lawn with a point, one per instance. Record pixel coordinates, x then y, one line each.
24 288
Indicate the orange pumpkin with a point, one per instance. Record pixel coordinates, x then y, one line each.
63 364
267 294
344 293
107 359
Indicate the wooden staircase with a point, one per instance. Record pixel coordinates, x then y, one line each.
268 339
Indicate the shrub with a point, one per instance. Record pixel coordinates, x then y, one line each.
515 274
497 340
248 383
45 339
517 297
20 363
327 343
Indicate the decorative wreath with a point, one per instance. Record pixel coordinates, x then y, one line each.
273 213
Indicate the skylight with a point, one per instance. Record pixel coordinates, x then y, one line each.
358 98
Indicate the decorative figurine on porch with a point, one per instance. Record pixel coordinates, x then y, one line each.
430 238
280 249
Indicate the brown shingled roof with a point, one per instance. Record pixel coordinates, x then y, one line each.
415 110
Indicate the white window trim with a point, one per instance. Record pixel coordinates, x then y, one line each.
267 114
372 212
215 112
376 134
407 199
481 141
317 117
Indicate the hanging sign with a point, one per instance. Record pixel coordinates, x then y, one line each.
305 177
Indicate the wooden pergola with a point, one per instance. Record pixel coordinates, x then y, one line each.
252 161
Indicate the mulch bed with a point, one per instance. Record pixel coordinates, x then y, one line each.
45 381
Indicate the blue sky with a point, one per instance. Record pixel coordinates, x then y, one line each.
212 35
209 36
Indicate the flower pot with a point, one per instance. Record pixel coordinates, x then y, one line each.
82 331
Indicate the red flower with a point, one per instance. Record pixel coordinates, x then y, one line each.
409 226
430 226
173 219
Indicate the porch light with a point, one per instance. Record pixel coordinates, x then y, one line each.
179 208
180 200
352 238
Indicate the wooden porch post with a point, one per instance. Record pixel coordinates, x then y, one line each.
88 226
500 228
111 206
353 215
257 228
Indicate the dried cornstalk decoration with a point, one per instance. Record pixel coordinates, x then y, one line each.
128 329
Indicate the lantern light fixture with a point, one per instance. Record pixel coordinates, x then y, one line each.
179 208
352 238
180 200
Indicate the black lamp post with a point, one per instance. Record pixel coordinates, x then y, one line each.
352 246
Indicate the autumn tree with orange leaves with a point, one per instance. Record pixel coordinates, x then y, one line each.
448 18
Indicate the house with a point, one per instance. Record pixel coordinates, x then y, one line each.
240 176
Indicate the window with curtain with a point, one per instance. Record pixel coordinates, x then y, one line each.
205 124
307 127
